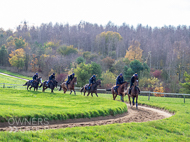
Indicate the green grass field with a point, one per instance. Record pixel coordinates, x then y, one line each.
15 74
11 80
29 104
175 128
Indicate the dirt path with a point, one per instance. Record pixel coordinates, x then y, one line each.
143 114
13 76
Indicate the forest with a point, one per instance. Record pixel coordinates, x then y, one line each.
159 55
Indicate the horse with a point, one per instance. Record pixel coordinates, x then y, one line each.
93 88
52 85
33 84
71 85
134 93
121 90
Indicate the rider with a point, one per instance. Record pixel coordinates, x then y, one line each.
35 77
70 78
51 77
119 81
92 80
133 78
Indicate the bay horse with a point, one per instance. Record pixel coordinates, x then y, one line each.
134 93
33 84
121 89
52 85
71 86
93 88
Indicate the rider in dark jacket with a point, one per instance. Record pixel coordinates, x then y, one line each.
35 77
92 80
70 78
51 77
119 81
133 78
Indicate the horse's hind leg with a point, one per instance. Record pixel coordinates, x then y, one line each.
96 94
70 92
136 102
74 92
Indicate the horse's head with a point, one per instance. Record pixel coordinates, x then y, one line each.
136 82
99 83
126 85
75 80
39 79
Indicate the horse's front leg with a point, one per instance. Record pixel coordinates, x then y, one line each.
74 91
88 93
122 98
70 92
136 102
96 94
91 94
129 100
133 100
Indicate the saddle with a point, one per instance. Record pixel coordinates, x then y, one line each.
86 86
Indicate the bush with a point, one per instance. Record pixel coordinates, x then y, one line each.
157 74
109 79
80 60
60 77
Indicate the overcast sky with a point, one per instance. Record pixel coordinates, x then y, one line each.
133 12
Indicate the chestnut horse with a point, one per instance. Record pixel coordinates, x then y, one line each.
134 93
71 86
121 89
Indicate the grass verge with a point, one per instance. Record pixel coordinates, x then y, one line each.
57 106
175 128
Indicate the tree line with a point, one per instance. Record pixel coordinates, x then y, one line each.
61 48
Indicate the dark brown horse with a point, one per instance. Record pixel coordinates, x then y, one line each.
134 93
33 84
93 88
52 84
121 90
71 86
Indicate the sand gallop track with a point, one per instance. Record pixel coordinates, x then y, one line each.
142 114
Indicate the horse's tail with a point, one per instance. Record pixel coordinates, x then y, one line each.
25 84
81 89
60 88
108 89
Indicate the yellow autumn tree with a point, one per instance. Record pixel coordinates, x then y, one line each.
34 63
17 58
134 51
160 89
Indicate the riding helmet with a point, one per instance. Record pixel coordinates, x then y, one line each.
136 75
53 73
36 73
73 74
94 76
120 74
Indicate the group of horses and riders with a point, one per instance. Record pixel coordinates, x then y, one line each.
51 83
121 88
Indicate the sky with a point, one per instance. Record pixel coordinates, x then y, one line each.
154 13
